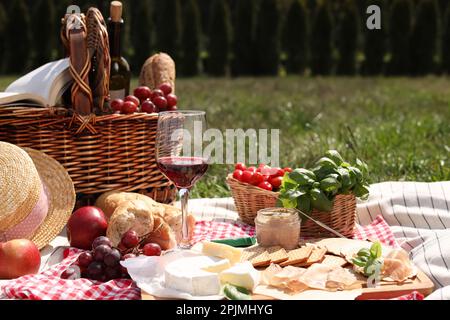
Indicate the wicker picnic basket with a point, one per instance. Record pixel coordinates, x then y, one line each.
250 199
100 153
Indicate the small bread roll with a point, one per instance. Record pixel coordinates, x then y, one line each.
133 214
158 69
109 202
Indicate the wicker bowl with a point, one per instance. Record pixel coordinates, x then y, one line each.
249 199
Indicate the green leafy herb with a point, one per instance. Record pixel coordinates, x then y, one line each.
369 259
316 188
236 293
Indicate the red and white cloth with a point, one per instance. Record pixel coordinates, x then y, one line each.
49 286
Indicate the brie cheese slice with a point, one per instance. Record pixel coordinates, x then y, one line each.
186 275
241 275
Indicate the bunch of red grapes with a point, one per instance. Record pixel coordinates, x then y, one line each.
102 263
263 177
146 100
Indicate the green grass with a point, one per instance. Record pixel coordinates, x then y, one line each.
399 126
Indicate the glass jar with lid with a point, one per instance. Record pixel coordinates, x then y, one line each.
278 227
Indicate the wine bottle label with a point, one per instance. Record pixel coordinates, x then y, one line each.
117 94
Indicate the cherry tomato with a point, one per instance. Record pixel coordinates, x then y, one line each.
257 178
277 172
240 166
266 170
276 181
246 176
237 174
287 169
265 185
251 169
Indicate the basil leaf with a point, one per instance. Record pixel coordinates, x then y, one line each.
375 250
335 156
288 202
358 174
361 191
300 178
330 184
320 201
364 252
359 262
304 203
322 172
309 173
326 162
345 178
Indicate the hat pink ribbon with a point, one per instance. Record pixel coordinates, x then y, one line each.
28 226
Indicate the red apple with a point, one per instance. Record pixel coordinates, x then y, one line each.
142 93
172 100
157 93
18 257
86 224
166 88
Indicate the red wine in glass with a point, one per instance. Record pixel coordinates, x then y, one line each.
184 172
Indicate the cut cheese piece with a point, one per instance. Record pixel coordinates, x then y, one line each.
241 275
222 251
186 275
218 267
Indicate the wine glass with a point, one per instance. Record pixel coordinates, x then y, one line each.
179 155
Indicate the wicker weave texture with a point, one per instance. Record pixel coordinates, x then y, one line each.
249 200
112 152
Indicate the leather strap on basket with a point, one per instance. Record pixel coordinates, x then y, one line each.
80 65
98 48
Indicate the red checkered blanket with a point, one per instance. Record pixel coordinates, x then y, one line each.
49 286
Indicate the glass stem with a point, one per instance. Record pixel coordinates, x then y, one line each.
185 242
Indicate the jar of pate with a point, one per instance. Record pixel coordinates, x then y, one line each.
278 227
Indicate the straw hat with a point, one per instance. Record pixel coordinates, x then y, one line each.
37 195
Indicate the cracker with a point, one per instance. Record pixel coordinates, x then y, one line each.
334 261
317 255
257 255
297 256
277 254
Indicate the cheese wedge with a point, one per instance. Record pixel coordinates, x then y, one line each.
222 251
241 275
218 266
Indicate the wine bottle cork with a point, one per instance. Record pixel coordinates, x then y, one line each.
116 11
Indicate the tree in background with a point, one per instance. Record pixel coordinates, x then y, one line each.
321 47
399 37
191 39
3 23
17 38
219 39
348 39
295 37
45 32
141 25
424 38
244 38
375 46
446 42
168 27
267 39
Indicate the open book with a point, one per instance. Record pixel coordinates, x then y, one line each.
41 87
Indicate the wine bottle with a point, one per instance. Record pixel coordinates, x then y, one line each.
119 81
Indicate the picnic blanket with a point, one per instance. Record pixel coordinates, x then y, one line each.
418 214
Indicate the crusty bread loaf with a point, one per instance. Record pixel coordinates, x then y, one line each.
132 214
158 69
124 209
109 201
